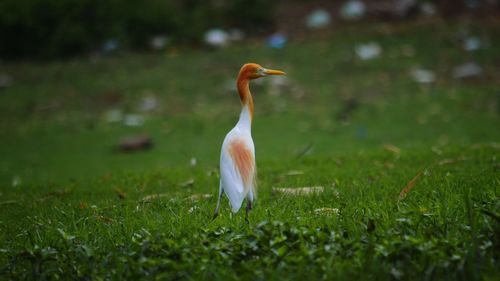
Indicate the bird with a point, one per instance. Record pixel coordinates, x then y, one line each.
237 159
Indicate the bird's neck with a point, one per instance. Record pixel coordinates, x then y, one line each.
246 115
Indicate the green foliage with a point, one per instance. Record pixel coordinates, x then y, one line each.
59 28
254 16
54 28
432 234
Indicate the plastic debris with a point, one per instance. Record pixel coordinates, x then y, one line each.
148 104
423 75
395 9
318 19
327 211
133 120
5 80
110 45
217 38
472 44
467 70
16 181
114 115
368 51
158 42
192 209
427 9
236 34
353 10
472 4
402 8
135 143
276 41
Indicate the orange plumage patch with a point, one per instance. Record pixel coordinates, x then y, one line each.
243 158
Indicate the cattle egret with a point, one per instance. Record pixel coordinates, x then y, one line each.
237 159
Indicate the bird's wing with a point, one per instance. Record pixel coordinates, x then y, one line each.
237 168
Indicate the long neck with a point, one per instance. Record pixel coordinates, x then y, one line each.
246 115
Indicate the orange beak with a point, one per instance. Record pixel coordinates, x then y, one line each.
274 72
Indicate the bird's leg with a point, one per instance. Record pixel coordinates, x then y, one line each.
216 212
249 204
248 209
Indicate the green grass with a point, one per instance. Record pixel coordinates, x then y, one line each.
73 208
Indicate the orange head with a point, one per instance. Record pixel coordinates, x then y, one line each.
250 71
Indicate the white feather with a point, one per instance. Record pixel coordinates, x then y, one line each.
231 182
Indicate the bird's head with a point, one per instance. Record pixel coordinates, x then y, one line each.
252 71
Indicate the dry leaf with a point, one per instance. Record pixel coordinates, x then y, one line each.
106 177
389 165
152 197
293 173
392 148
104 219
57 193
493 145
298 190
121 194
410 185
8 202
436 150
187 183
451 161
197 197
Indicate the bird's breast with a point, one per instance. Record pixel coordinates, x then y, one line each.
243 159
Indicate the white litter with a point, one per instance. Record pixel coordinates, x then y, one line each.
217 38
148 104
423 76
133 120
368 51
318 19
467 70
472 44
353 10
158 42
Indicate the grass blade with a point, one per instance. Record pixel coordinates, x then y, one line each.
410 185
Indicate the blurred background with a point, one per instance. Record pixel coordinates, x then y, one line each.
93 87
57 29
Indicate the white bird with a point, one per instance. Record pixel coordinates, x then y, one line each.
237 159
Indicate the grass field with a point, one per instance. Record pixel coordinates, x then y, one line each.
73 207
